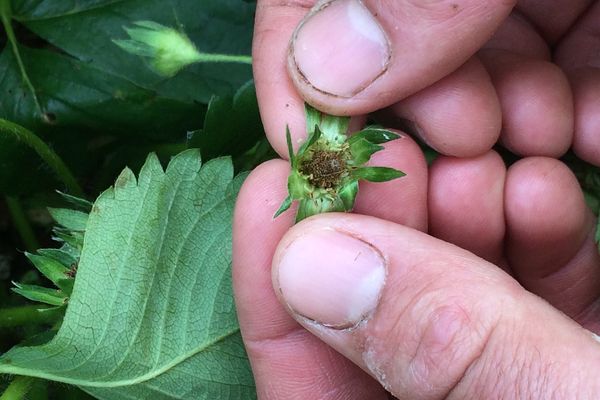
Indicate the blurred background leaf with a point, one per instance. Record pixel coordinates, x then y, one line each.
94 98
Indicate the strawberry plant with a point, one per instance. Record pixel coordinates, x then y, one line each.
109 293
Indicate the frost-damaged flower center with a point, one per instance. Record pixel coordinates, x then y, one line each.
324 169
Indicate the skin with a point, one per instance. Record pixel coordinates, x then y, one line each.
528 233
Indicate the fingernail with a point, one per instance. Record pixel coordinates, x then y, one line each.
331 278
340 48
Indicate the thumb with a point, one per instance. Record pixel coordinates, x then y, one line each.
427 319
352 57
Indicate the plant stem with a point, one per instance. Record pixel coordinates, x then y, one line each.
6 15
22 224
18 388
207 57
28 315
45 152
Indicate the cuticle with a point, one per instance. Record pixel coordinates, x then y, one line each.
302 76
347 327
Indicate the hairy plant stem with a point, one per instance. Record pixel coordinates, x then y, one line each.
45 152
29 315
22 224
18 388
6 15
207 57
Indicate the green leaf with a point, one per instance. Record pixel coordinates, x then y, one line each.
51 269
73 220
232 125
213 26
152 312
377 174
374 135
65 258
87 88
40 294
362 150
76 202
72 239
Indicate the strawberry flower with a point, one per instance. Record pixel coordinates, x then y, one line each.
327 168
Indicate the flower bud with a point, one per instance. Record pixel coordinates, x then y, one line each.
168 49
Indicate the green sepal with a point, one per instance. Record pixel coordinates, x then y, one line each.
377 174
70 219
297 186
40 294
334 128
50 268
348 194
313 118
287 203
312 138
288 139
362 150
309 207
374 135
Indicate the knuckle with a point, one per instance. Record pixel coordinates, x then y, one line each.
510 368
433 342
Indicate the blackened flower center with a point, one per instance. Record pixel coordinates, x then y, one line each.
324 169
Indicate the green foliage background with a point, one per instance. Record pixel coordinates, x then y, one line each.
101 110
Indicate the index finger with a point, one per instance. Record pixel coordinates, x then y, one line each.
280 103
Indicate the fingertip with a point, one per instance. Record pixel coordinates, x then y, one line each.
355 57
546 216
536 103
466 203
280 104
255 237
403 200
586 92
459 115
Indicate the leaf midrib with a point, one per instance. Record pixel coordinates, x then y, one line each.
10 369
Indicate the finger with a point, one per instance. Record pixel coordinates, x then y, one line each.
550 232
467 118
403 200
579 54
466 203
428 319
517 35
280 104
553 17
536 102
287 362
353 57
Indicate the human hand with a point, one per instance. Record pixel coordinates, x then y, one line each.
447 323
